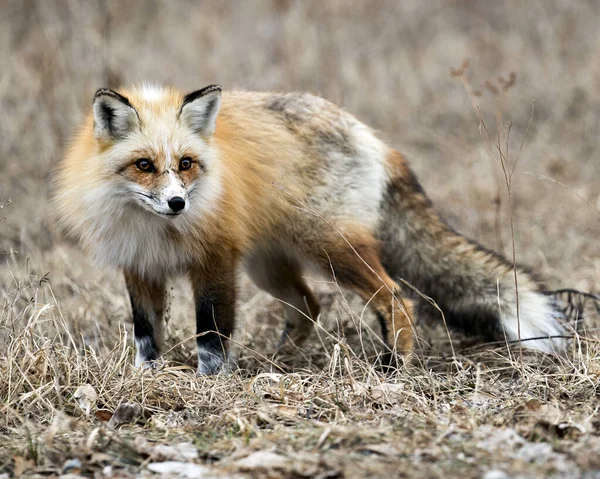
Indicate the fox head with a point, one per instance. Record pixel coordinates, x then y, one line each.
153 144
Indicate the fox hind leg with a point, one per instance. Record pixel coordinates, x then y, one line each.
358 268
280 275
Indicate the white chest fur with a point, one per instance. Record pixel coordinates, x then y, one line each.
138 241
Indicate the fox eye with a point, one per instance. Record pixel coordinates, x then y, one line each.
185 163
144 165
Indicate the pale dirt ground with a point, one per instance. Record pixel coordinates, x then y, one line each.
328 413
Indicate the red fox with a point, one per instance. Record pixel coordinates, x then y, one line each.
160 183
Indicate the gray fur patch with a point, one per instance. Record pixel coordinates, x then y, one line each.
336 139
315 120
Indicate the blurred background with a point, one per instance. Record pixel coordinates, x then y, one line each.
421 73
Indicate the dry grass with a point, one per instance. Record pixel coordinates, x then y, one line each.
326 412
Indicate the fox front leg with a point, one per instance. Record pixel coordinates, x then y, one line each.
147 304
214 293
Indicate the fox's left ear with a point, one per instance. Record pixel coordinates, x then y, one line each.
114 117
200 108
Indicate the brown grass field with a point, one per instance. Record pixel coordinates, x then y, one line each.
71 401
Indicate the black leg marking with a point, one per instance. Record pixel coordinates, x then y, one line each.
215 311
388 361
147 305
143 331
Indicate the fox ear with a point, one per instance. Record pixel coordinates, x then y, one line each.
200 108
114 117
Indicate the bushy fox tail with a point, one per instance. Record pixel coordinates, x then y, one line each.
474 287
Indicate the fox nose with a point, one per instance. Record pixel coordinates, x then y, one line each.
177 203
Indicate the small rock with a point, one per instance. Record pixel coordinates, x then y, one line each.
381 449
182 451
537 452
495 474
126 413
263 460
87 398
492 439
182 469
72 466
